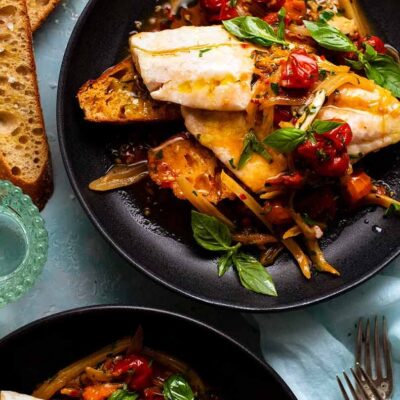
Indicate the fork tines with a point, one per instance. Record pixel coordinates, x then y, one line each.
364 390
381 360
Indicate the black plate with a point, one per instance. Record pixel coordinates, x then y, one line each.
37 351
161 245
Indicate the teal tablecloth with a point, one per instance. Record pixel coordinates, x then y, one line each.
306 347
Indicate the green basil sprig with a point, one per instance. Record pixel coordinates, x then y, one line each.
329 37
212 234
176 387
254 30
380 68
286 140
122 394
252 145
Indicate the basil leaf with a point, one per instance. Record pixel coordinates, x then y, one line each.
176 387
285 140
252 145
357 65
281 28
225 262
253 275
232 3
326 16
252 29
370 53
210 233
329 37
386 67
246 152
233 26
122 394
394 209
320 127
374 74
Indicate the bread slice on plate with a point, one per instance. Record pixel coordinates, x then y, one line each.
39 10
118 96
24 152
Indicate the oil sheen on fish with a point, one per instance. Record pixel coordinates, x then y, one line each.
223 133
199 67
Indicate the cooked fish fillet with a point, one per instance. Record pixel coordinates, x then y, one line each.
6 395
223 133
371 111
199 67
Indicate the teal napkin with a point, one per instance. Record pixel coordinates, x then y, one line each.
310 346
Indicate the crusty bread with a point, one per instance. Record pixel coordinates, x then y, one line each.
24 152
118 96
39 10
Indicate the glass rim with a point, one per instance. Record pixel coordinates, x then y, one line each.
19 207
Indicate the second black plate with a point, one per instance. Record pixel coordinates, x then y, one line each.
161 245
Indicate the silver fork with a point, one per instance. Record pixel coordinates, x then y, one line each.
383 377
365 390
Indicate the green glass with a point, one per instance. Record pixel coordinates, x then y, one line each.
23 243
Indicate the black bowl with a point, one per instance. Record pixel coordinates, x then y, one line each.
37 351
162 245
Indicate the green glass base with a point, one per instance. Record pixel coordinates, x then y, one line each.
23 243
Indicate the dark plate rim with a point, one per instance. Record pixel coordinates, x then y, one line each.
155 311
71 175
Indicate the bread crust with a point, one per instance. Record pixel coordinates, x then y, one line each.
41 188
39 13
108 99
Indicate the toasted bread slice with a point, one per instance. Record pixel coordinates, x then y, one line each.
24 152
39 10
118 96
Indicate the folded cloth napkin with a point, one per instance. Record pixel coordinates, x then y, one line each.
310 346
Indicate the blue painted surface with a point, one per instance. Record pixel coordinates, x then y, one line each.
306 347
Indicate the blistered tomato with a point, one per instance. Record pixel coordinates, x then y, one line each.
375 42
327 153
276 213
300 71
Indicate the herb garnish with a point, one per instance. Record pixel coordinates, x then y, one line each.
286 140
122 394
275 87
380 68
254 30
252 145
202 51
213 235
176 387
232 3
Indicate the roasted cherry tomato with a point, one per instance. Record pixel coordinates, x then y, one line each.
296 10
212 5
276 213
327 153
142 372
375 42
300 71
219 10
294 180
356 186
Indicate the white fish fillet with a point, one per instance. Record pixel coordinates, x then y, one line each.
199 67
223 133
371 111
7 395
